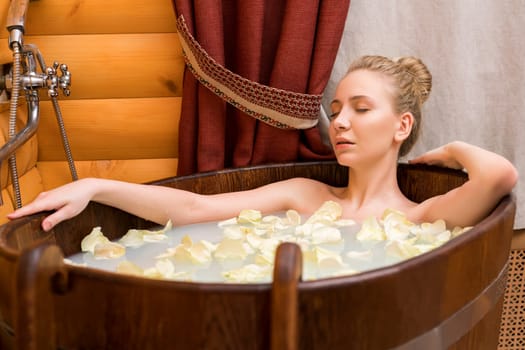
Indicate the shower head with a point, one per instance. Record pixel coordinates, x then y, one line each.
15 22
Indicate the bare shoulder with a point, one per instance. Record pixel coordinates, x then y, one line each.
304 184
306 195
421 212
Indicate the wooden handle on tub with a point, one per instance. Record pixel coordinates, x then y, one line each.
40 271
286 276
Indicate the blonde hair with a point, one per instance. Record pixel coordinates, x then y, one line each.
411 84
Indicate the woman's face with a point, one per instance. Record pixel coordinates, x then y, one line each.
363 122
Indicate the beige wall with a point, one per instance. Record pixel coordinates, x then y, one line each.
474 49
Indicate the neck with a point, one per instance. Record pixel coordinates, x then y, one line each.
373 189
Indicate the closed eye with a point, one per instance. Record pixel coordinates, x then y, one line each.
333 115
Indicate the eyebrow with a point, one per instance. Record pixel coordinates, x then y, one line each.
353 98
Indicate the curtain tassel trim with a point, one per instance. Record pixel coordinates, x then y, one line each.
280 108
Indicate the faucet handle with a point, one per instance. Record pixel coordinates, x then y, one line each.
65 79
55 81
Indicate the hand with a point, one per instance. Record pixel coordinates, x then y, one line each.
440 156
68 200
490 177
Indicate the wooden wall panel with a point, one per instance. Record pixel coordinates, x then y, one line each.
127 71
117 65
52 17
132 170
26 155
111 129
6 208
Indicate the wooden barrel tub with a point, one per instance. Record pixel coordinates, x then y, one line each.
448 298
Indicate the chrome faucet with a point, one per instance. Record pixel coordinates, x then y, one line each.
24 75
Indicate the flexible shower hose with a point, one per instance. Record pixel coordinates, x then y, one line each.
15 94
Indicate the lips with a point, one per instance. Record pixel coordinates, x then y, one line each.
341 141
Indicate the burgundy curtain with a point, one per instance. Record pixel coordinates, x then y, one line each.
289 45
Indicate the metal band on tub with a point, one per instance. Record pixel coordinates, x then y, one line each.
280 108
460 323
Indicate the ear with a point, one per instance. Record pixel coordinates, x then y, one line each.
406 121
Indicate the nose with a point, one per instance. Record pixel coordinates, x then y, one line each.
342 121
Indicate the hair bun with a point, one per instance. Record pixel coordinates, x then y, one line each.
422 79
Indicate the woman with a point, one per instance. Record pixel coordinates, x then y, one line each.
375 118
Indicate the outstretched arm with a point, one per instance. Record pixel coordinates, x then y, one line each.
158 203
490 177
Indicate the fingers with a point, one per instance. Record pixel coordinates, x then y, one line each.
416 160
440 156
54 219
43 202
25 210
426 158
433 157
48 222
61 214
64 200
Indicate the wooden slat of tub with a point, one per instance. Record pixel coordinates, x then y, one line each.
518 240
116 65
140 128
52 17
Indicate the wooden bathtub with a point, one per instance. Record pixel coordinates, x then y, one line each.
448 298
